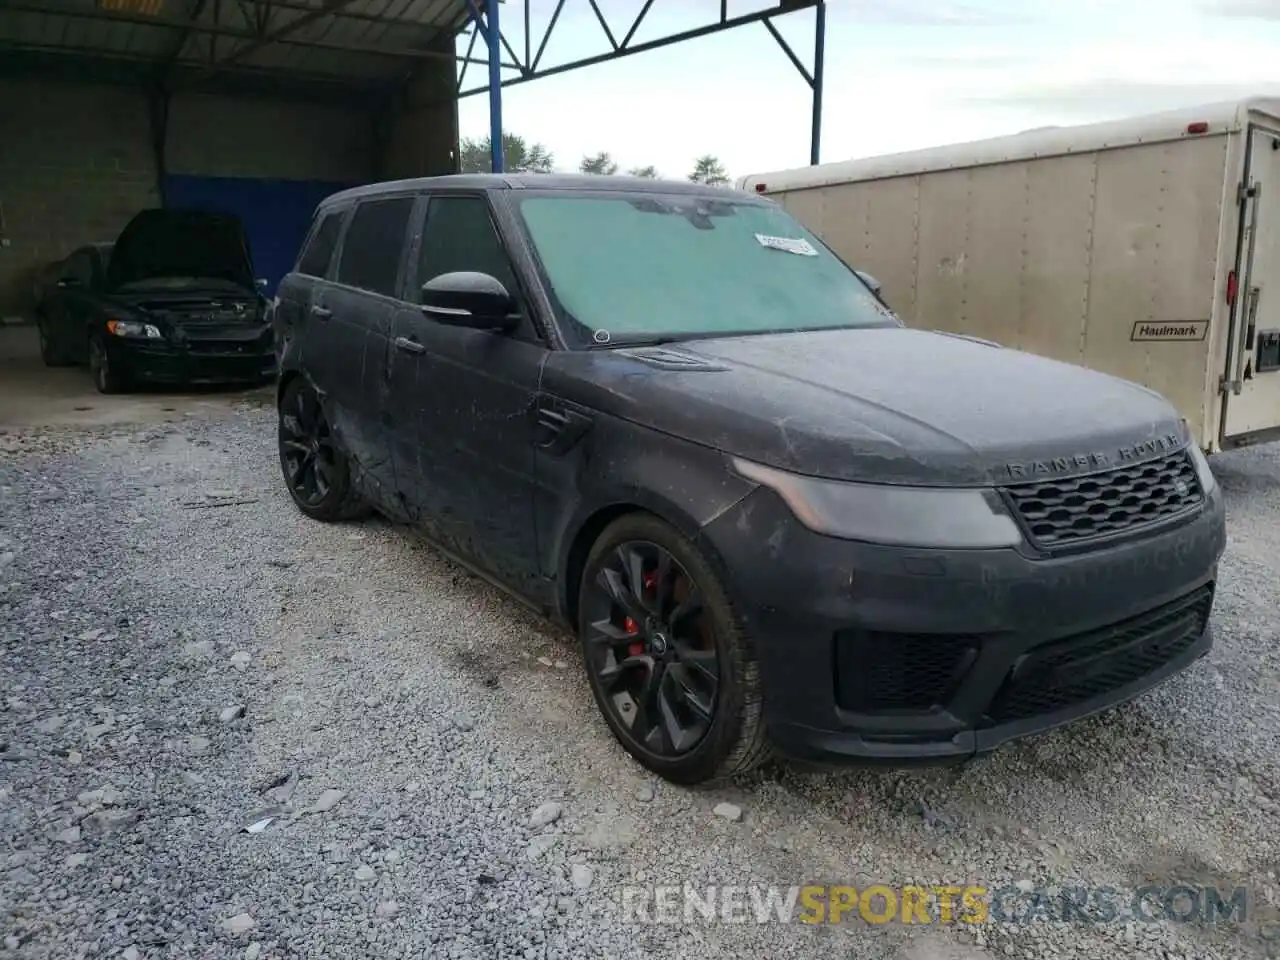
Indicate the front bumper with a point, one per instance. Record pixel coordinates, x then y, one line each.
871 653
249 357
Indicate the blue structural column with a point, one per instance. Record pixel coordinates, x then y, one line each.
493 36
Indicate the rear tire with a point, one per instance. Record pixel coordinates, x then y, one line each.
681 692
105 376
316 472
53 353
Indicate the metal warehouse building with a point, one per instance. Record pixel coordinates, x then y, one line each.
258 107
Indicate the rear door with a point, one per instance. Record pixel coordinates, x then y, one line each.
294 296
1253 362
358 307
71 301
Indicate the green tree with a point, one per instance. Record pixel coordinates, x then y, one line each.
520 156
708 169
649 172
601 163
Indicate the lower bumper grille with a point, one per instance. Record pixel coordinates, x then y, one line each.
230 348
885 672
1068 672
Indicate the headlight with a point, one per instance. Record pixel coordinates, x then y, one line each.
899 516
133 328
1203 473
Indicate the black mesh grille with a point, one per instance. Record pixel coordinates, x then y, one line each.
1065 672
226 346
1062 512
899 671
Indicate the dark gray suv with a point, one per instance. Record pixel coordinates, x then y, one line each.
673 420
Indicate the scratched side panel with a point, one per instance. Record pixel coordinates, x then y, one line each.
355 338
616 464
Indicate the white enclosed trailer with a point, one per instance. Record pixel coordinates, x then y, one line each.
1147 248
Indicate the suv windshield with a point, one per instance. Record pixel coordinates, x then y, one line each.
645 267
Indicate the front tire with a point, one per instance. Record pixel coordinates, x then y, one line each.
105 375
669 665
316 471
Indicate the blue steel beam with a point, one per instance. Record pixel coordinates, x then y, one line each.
528 70
489 26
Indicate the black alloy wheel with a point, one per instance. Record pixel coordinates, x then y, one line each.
315 469
668 666
306 449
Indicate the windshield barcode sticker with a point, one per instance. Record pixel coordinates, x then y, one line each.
802 247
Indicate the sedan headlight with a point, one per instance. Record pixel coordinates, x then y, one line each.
1203 472
133 328
893 515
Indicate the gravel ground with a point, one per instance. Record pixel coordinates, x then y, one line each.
186 656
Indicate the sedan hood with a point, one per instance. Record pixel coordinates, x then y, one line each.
888 405
172 243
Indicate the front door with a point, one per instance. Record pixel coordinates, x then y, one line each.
460 404
1253 362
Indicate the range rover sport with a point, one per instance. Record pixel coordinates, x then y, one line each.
673 420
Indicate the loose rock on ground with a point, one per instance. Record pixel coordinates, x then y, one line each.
404 734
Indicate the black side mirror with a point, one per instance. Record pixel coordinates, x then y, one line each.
260 283
869 280
466 299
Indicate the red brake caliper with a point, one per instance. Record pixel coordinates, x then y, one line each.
630 625
635 648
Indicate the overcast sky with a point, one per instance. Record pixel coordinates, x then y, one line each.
900 74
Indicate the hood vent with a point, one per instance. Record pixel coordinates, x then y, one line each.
669 359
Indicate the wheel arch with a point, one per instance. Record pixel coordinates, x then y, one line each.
282 384
589 528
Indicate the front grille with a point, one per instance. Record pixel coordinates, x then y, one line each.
1071 671
227 347
1062 512
878 672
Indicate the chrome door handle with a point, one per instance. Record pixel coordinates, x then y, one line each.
409 346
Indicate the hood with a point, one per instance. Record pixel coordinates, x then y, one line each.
159 244
888 405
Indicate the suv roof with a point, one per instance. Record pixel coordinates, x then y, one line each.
569 182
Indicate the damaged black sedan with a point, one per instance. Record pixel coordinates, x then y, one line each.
671 418
173 300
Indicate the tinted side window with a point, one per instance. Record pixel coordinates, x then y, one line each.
80 266
460 236
315 258
371 250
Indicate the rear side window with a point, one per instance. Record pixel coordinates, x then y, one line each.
314 261
371 250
